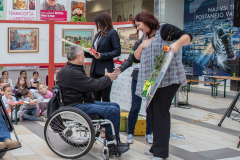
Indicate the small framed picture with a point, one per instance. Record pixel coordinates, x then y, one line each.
128 36
85 36
23 40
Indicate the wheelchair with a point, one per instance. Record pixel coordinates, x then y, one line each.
9 125
70 133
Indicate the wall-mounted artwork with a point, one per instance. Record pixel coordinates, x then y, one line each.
85 36
23 40
128 37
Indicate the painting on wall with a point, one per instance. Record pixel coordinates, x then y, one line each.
23 40
128 36
85 36
20 4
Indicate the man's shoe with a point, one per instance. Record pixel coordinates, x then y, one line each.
157 158
129 139
3 145
222 45
12 144
148 153
149 138
122 148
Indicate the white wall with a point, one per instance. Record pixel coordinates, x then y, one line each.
38 57
174 12
93 8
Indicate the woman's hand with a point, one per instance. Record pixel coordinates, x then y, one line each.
97 55
145 43
174 47
117 71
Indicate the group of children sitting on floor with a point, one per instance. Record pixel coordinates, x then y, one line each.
33 93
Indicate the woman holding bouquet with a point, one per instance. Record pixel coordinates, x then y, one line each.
155 36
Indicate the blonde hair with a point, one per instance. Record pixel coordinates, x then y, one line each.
2 80
19 78
38 85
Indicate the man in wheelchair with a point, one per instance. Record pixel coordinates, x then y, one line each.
5 138
77 90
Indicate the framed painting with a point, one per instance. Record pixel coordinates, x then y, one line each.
85 36
128 36
23 40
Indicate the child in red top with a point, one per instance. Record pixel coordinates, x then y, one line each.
42 90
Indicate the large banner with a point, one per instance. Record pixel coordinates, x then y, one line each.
55 10
23 10
1 9
214 50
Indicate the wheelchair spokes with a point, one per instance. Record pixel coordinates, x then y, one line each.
68 134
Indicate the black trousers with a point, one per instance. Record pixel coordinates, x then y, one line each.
160 119
101 95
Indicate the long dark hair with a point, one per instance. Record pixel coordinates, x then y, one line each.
148 19
105 22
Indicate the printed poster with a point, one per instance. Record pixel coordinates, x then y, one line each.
23 10
53 9
215 49
1 9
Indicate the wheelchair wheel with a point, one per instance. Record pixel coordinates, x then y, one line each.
2 154
69 133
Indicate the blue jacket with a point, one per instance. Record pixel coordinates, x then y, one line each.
108 47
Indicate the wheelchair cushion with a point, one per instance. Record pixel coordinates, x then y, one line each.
95 116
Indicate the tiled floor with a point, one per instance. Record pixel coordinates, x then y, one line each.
204 140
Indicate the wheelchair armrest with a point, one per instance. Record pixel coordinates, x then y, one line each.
56 87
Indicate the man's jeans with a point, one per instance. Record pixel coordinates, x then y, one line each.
133 114
29 114
4 132
107 110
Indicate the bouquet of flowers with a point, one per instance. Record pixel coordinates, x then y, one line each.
84 48
151 84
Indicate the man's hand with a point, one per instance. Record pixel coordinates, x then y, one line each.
112 76
117 71
97 55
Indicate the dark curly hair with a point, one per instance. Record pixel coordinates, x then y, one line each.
148 19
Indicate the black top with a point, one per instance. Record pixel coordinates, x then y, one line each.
76 86
108 47
18 93
175 33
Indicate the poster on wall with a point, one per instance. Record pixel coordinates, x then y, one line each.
53 9
23 10
1 9
23 40
214 50
80 10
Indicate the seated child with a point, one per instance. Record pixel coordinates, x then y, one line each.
5 74
24 74
35 80
21 84
3 82
30 110
42 90
7 90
